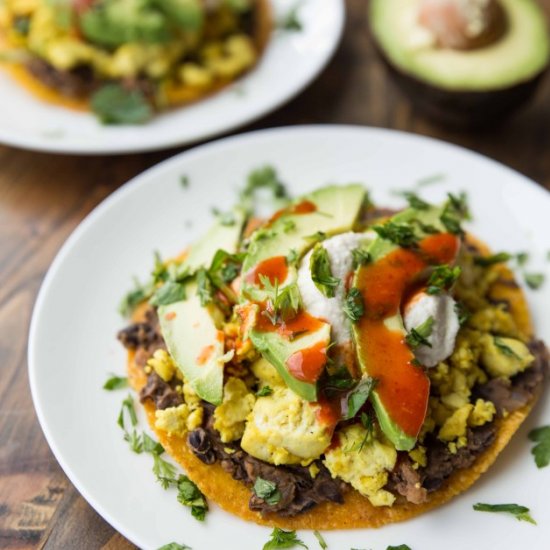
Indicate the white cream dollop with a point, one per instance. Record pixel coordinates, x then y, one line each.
339 249
440 307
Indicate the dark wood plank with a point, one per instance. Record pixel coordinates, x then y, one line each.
43 197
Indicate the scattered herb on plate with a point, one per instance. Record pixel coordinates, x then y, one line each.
283 539
115 382
541 451
521 513
321 540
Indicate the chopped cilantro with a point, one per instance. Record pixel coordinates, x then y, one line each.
415 201
225 218
486 261
264 391
205 290
321 274
366 421
340 380
359 395
541 451
522 258
267 491
151 446
534 280
321 540
400 547
292 257
316 237
174 546
430 180
419 336
282 304
184 181
114 104
133 298
128 406
442 278
462 313
288 225
504 349
456 210
283 539
290 21
190 495
353 306
360 257
401 234
264 177
168 293
521 513
115 382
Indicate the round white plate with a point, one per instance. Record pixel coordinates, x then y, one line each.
73 345
291 61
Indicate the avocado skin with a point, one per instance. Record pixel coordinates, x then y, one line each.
465 109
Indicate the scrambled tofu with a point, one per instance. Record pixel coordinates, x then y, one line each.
162 364
284 429
178 420
363 463
267 374
230 416
504 356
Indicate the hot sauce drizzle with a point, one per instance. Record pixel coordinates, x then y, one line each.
402 387
307 364
275 269
303 207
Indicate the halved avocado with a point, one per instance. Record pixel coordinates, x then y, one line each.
466 87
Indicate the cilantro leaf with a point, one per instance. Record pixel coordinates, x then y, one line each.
113 104
168 293
133 298
354 306
415 201
283 539
190 495
164 471
263 392
541 451
115 382
290 21
267 491
184 181
321 274
401 234
521 513
419 336
486 261
339 381
455 210
400 547
359 395
442 278
504 349
534 280
151 446
128 406
522 258
462 313
360 257
205 290
321 540
174 546
282 304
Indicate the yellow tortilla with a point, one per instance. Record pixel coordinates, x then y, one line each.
233 496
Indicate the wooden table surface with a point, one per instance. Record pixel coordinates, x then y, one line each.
43 197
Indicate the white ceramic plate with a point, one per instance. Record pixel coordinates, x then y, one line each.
291 61
73 346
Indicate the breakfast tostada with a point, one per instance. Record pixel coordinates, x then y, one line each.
336 364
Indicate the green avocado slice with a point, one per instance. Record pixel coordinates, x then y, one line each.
332 210
193 342
190 330
423 223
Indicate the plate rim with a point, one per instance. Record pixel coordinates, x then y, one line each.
41 144
142 179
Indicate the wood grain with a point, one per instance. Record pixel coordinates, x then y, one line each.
43 197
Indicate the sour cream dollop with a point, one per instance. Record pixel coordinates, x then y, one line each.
339 249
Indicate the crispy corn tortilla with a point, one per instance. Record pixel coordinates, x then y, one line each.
233 496
174 94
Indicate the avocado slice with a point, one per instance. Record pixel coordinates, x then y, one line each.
334 210
330 210
189 329
380 337
194 343
465 87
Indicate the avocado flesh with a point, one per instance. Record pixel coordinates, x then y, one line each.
337 211
519 56
190 332
277 350
378 249
188 328
222 236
